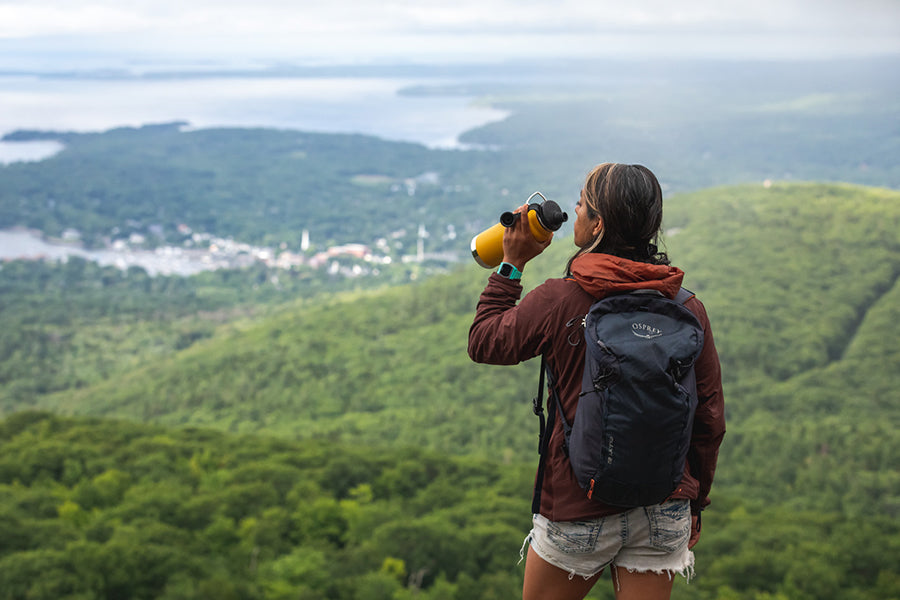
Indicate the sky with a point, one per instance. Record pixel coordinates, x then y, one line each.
423 31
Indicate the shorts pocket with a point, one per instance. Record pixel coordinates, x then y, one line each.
574 537
670 524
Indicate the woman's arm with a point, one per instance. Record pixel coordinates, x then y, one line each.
503 333
709 420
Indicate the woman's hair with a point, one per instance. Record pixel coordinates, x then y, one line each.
628 200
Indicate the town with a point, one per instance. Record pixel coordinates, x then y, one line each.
205 252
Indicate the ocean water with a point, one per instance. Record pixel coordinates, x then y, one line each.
367 105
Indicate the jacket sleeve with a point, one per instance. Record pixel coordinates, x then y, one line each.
709 421
504 332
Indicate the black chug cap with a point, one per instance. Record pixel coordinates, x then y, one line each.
550 215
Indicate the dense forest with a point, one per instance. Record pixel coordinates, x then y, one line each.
73 323
106 509
803 295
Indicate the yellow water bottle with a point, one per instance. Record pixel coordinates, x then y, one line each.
544 218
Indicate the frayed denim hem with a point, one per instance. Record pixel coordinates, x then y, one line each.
527 541
686 571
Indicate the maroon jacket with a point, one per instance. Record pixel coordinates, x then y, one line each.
548 321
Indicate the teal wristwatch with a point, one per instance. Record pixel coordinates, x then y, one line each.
509 271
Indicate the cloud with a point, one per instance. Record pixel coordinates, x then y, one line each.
24 20
345 27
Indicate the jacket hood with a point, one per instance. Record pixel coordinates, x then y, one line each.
604 274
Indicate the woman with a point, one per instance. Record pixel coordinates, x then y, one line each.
617 226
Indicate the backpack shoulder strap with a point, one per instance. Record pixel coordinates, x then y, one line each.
554 397
546 429
684 295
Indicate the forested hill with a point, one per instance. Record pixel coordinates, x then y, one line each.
361 429
258 186
801 282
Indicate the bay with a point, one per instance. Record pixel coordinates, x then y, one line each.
366 105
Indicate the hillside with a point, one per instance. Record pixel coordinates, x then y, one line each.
332 407
803 292
800 281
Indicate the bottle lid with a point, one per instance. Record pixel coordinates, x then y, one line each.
551 215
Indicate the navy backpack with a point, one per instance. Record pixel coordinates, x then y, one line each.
632 429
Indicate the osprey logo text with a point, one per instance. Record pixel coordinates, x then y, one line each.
643 330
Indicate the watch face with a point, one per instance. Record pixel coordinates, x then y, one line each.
509 271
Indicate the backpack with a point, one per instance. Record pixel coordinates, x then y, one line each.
629 441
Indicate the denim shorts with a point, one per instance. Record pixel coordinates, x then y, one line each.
649 538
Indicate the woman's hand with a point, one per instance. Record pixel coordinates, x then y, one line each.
695 531
519 245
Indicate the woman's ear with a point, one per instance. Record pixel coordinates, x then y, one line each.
598 227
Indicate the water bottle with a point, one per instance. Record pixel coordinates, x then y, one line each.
544 217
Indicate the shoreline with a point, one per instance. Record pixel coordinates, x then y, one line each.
12 151
374 106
